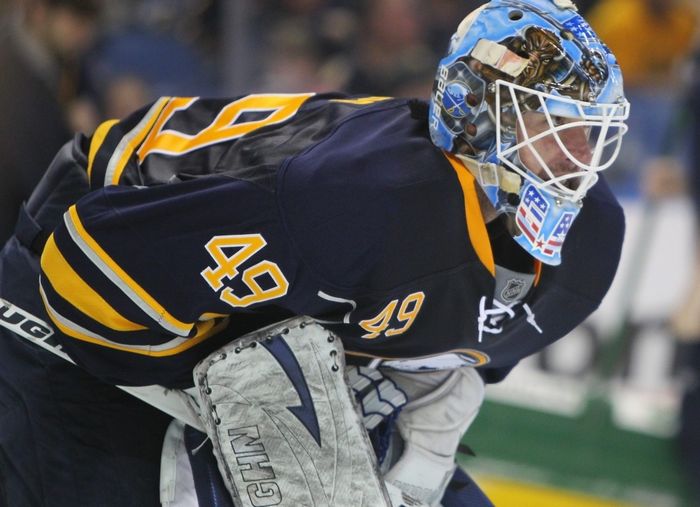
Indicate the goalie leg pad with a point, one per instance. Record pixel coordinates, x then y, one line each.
283 423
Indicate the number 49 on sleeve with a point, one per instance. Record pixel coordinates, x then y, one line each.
408 311
246 245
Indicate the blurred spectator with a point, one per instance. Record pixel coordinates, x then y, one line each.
41 42
124 95
441 16
151 48
584 6
670 176
385 47
648 37
685 323
166 64
392 55
294 62
306 45
651 40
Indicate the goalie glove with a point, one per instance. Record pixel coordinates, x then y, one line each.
443 405
378 397
379 401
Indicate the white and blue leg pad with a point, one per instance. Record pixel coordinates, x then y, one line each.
283 422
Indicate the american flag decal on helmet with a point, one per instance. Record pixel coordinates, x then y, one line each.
531 213
530 217
556 239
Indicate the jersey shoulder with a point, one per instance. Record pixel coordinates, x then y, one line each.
183 138
382 195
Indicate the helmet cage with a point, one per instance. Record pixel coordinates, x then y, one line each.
605 124
511 58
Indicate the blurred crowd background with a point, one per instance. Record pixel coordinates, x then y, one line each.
66 65
69 64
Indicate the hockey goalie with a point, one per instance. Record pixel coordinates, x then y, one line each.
405 253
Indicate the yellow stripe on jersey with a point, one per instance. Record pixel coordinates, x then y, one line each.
121 155
120 278
475 220
96 143
363 101
227 125
209 316
170 348
174 104
78 293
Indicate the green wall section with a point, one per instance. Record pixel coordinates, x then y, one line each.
588 453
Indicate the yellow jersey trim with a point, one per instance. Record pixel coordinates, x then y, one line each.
120 277
480 357
173 347
98 138
476 227
129 143
78 293
363 101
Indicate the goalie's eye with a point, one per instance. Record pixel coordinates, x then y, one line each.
564 120
561 120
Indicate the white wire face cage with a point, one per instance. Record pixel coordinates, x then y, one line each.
604 126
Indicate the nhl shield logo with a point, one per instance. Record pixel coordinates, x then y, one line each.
513 289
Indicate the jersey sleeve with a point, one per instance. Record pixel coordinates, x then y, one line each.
135 273
191 136
179 231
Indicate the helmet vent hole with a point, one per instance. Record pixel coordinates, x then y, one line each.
515 15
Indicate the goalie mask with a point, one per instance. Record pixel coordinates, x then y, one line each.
532 102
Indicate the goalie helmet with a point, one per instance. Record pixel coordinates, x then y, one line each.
532 102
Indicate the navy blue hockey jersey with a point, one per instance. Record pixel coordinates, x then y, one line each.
210 218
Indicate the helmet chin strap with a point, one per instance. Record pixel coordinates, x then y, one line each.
488 211
493 176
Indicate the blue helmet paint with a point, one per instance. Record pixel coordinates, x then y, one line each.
541 46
